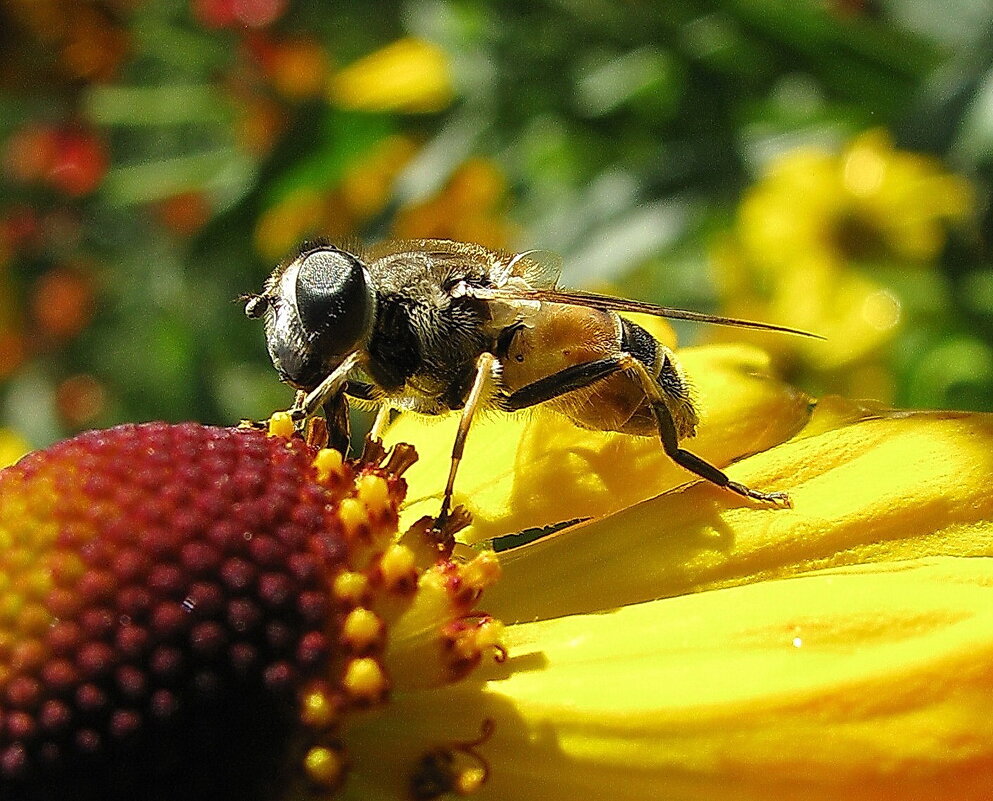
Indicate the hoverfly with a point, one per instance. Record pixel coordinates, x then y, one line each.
433 326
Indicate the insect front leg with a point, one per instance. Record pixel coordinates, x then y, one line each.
330 386
335 411
484 371
367 392
379 423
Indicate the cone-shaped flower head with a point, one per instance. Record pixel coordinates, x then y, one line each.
189 612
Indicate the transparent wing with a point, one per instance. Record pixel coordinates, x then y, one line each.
539 269
607 302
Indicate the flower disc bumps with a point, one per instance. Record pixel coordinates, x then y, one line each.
187 612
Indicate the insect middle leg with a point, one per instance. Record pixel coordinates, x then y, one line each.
579 376
484 370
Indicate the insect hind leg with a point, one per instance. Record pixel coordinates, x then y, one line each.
682 457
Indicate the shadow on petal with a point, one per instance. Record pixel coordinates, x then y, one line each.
907 485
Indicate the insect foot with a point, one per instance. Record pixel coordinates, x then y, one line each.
779 499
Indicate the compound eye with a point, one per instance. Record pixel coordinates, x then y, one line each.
335 300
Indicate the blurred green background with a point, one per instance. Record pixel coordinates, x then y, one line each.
821 164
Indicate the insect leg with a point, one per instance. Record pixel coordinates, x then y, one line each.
382 418
552 386
484 370
328 387
360 390
685 459
578 376
335 410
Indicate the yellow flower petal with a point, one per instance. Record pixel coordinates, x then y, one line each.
788 213
834 411
856 315
869 683
470 207
906 485
536 469
408 75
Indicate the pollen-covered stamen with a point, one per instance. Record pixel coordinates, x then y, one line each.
321 705
354 519
400 459
362 629
325 767
369 518
467 581
281 425
466 641
420 650
330 464
374 492
400 600
457 768
397 570
350 587
365 681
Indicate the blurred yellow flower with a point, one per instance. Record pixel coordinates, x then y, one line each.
469 208
366 186
12 447
809 234
363 191
284 225
868 202
408 75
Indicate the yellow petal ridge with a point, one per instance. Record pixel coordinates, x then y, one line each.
868 682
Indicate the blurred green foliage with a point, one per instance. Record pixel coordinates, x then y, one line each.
160 156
